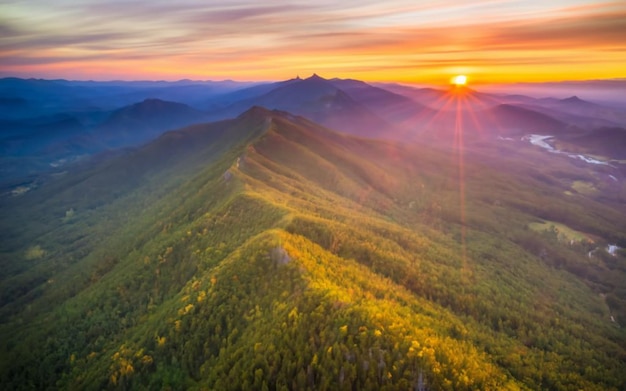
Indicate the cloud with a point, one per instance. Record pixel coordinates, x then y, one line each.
8 30
58 41
278 36
597 30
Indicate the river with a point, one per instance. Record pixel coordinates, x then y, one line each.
542 141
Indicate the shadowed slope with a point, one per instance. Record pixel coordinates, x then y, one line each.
141 122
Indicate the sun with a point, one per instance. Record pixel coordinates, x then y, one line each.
459 80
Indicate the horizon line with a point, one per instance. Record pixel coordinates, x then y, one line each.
614 79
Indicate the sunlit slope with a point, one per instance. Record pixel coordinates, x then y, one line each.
282 255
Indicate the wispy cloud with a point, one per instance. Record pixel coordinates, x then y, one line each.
266 40
597 30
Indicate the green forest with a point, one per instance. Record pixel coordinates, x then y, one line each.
269 253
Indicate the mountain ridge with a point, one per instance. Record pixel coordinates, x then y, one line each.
270 251
145 120
319 100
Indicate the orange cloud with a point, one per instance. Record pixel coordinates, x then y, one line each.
396 40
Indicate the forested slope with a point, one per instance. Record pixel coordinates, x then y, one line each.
268 252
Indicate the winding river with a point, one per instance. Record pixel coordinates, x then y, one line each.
542 141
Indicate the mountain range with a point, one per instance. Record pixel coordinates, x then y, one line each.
314 234
77 119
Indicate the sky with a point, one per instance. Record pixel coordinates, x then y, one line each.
410 41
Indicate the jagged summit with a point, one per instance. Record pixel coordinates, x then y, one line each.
315 76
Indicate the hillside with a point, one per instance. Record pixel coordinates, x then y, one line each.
144 121
319 100
510 119
392 107
41 145
605 141
269 252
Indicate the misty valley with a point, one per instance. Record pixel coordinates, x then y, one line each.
310 233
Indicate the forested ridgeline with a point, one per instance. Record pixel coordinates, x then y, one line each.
267 252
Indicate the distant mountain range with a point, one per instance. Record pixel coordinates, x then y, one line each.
47 124
318 99
38 97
